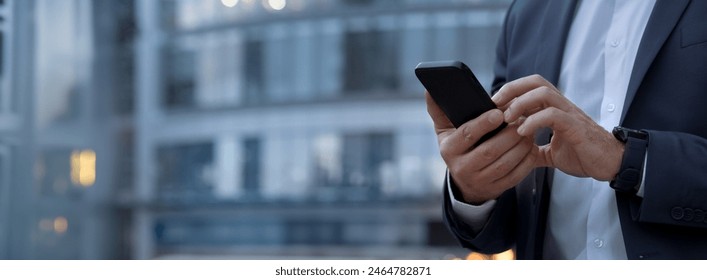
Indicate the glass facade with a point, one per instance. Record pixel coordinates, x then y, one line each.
189 129
281 61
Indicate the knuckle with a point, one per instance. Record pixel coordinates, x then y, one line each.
467 132
445 150
501 167
456 170
554 111
488 153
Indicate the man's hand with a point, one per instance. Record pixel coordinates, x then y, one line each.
579 146
483 172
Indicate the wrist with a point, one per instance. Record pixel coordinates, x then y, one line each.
617 152
467 194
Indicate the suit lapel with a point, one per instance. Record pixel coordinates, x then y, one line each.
661 23
557 19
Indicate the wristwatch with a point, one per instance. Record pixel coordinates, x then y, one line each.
630 174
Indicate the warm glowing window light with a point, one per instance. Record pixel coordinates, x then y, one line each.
83 168
60 225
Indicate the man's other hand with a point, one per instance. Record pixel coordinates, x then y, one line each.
485 171
579 146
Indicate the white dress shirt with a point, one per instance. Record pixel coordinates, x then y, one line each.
602 44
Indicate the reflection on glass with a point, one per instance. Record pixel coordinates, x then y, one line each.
62 60
328 166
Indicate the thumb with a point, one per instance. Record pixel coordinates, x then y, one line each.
440 120
544 158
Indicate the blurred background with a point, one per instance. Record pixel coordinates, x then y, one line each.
239 129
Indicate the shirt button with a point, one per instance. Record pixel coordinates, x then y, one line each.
598 243
615 43
611 107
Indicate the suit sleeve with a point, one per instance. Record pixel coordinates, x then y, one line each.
675 187
497 235
499 232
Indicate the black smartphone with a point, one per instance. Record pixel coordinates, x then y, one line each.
456 90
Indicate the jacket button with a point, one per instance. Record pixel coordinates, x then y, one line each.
677 213
699 216
689 214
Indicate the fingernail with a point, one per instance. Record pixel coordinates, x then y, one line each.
495 117
520 130
507 114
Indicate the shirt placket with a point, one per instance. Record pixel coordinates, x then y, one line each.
600 233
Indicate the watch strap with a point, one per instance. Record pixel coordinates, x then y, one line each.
631 171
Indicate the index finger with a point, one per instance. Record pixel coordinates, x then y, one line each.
518 87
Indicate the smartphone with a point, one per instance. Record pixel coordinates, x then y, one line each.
456 90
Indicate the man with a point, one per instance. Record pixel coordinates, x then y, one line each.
556 183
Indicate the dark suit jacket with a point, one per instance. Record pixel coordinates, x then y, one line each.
667 96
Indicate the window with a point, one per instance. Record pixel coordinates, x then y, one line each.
62 61
124 161
114 54
364 158
251 165
353 161
57 235
254 71
168 14
124 83
371 60
185 171
125 32
178 72
54 174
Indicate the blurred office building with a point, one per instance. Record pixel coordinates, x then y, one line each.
247 129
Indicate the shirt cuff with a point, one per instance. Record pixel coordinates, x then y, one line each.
475 216
639 193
